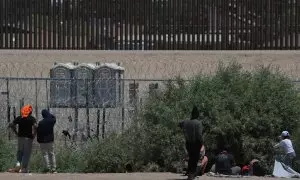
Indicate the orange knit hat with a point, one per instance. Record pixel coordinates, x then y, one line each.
26 111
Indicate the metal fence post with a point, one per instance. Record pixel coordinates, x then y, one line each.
21 104
103 121
36 100
47 98
87 109
8 105
98 124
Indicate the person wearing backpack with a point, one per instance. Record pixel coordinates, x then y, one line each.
45 137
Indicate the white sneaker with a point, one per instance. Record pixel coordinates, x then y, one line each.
54 171
18 164
18 167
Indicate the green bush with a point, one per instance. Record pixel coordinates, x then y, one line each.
110 155
7 155
67 159
245 110
36 161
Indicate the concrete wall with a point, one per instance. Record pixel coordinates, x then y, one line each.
145 64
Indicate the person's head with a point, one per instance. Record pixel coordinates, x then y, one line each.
285 135
26 111
223 147
195 113
45 113
226 148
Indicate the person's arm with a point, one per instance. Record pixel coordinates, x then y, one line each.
13 125
232 160
279 148
34 128
202 152
200 131
181 124
54 119
278 145
202 149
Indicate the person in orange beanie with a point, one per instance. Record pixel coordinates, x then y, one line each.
26 132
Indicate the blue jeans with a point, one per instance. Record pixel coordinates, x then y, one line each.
288 159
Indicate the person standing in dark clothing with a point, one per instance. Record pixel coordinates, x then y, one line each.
45 136
26 133
193 140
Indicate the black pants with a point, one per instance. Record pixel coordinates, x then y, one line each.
193 149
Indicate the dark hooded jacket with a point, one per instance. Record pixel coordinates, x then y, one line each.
45 132
192 128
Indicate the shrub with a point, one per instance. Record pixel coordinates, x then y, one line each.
7 155
109 155
67 160
71 160
245 110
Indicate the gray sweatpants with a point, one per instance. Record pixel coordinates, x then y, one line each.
235 170
24 151
48 154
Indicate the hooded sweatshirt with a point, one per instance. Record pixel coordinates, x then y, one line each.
45 132
192 128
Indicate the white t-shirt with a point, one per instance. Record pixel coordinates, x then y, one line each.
287 146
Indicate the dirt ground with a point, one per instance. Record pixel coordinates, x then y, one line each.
124 176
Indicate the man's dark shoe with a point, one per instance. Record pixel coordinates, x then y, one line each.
46 170
191 176
199 171
53 171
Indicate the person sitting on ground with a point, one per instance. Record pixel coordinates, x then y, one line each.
287 146
203 161
225 163
254 168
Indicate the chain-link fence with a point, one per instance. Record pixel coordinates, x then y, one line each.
79 114
109 106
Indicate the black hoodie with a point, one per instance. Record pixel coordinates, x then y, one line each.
193 128
45 133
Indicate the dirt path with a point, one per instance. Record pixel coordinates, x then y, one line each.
128 176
